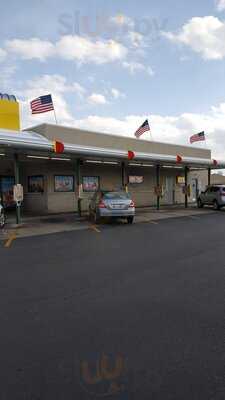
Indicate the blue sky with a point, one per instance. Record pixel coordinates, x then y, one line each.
164 60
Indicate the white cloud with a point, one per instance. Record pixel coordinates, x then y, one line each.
58 86
117 94
6 77
29 49
220 5
84 50
77 88
77 48
136 39
97 99
3 55
172 129
150 71
134 67
52 83
204 35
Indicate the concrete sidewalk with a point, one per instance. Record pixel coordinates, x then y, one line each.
151 214
48 224
42 225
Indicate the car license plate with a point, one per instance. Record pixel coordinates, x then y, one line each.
117 206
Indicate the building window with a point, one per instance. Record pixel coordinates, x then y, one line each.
36 184
64 183
90 183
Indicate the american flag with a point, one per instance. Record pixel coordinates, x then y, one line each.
143 128
42 104
198 137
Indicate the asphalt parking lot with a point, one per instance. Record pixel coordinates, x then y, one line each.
122 312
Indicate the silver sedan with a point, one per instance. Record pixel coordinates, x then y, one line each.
112 204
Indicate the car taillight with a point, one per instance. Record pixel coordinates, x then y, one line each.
132 205
101 204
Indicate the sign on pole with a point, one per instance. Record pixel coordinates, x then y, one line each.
18 193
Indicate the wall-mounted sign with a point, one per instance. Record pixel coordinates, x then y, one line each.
64 183
90 183
35 184
136 179
180 180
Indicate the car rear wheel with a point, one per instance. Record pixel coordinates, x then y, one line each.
130 220
216 205
200 204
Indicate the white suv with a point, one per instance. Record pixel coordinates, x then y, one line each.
213 195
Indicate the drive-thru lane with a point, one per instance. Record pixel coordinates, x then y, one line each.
134 312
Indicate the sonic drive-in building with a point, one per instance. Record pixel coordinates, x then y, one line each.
61 167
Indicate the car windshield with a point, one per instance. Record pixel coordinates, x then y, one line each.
116 196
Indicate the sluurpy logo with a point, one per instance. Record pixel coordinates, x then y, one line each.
103 376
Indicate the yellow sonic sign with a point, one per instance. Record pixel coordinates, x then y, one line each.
9 112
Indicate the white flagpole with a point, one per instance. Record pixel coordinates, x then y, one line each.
205 141
54 111
55 116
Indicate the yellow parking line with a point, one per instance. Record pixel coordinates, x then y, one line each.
10 239
94 228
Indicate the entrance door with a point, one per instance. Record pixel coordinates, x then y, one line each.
169 190
194 189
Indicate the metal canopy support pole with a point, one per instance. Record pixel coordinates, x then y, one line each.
17 181
186 186
157 185
78 181
209 176
123 171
